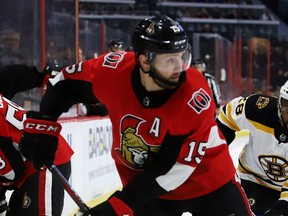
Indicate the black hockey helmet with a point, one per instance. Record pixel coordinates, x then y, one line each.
159 34
115 45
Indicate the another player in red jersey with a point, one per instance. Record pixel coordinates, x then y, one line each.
168 150
34 192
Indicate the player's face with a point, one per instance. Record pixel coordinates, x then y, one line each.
284 110
169 66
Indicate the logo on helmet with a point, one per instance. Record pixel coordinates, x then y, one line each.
151 29
176 29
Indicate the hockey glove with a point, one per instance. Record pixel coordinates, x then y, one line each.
280 208
39 140
97 109
48 72
3 202
114 206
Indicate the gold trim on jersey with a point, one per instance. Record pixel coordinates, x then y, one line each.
228 120
262 127
257 178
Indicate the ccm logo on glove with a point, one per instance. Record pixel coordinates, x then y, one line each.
39 126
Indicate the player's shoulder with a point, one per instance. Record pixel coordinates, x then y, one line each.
113 60
196 92
195 81
193 76
261 108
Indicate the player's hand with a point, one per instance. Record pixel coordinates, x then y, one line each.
3 202
280 208
48 72
114 206
39 140
96 109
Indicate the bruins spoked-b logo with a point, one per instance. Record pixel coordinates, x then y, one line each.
134 151
276 168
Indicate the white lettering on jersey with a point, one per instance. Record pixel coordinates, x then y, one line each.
2 163
74 68
197 151
155 127
11 115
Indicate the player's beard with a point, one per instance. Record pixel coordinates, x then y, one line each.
285 123
164 82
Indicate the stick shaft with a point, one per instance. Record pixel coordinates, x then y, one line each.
72 193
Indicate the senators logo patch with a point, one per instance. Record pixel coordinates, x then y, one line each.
200 101
112 59
262 102
133 148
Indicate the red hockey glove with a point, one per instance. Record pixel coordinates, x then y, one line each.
39 140
115 206
280 208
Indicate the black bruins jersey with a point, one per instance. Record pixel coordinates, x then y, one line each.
264 159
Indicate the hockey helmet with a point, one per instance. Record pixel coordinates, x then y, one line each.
284 91
115 45
159 35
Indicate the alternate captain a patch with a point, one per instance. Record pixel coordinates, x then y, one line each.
199 101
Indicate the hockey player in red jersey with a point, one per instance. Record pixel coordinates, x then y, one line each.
33 192
168 150
263 161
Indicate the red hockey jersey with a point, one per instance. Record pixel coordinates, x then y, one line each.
12 117
142 120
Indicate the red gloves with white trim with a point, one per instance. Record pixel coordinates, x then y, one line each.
39 140
114 206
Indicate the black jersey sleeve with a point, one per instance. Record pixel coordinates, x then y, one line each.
60 97
17 78
228 132
144 187
12 159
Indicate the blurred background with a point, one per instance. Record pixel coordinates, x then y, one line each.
244 43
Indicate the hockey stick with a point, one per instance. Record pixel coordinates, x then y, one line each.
62 180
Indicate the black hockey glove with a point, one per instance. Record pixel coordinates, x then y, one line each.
280 208
47 73
3 202
39 140
114 206
97 109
